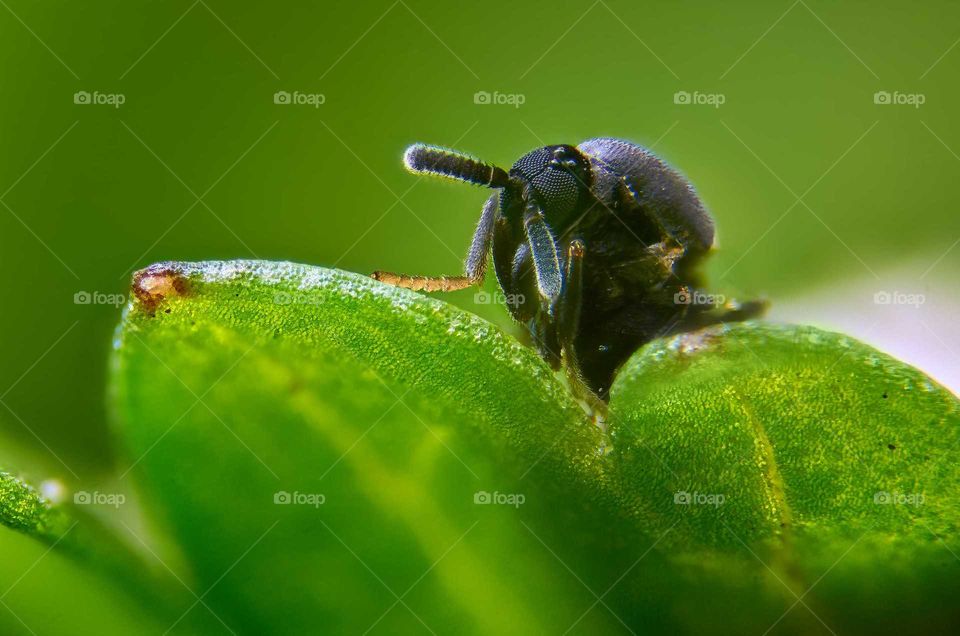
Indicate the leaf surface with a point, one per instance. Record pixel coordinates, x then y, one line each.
314 427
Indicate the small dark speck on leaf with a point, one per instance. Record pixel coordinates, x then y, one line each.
891 446
884 396
167 310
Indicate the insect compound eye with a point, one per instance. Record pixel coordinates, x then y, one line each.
558 175
532 164
558 189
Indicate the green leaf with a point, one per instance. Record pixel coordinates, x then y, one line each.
236 381
794 426
22 508
62 569
381 413
816 451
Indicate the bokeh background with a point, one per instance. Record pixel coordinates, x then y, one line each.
823 196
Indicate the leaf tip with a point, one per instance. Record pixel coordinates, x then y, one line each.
22 507
154 284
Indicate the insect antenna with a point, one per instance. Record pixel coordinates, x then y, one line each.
424 159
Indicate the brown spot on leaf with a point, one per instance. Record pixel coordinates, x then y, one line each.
153 285
692 342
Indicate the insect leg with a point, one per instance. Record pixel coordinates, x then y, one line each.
569 308
548 333
476 263
544 336
423 283
543 250
570 301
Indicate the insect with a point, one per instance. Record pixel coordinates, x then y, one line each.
595 246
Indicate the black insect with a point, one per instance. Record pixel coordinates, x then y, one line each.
596 246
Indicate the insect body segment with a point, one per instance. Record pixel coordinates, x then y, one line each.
599 243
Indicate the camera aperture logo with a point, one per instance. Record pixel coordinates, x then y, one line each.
697 297
296 98
896 98
99 298
498 298
499 99
884 498
96 98
484 498
696 98
898 298
297 498
685 498
95 498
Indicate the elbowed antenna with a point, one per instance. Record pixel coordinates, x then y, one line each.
424 159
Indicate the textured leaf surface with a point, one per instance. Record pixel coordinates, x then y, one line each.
251 379
62 572
22 508
793 427
379 413
805 452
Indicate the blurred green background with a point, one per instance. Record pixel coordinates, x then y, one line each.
91 192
